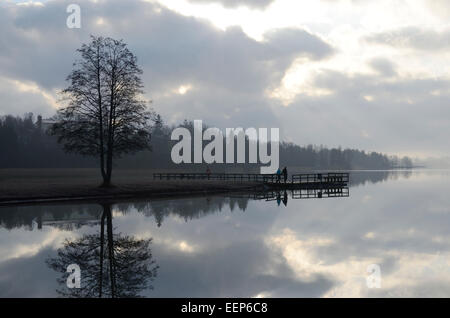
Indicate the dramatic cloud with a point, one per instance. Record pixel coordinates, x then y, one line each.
383 66
413 37
372 112
372 77
259 4
22 97
222 75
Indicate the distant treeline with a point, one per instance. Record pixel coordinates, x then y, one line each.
25 143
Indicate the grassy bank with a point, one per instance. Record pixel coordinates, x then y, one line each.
48 185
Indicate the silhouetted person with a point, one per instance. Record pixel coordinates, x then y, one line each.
278 175
285 174
208 172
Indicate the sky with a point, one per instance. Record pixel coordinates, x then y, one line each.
352 73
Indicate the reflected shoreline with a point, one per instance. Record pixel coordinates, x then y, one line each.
87 210
167 190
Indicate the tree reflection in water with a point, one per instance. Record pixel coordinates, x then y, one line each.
123 267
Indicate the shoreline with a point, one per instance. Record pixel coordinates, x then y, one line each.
120 192
53 186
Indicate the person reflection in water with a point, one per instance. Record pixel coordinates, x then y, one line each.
118 266
285 198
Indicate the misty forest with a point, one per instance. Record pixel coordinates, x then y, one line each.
30 145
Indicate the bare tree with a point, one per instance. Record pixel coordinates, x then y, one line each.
104 115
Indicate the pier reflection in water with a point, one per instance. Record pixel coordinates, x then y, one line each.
282 196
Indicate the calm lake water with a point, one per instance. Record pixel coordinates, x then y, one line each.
220 246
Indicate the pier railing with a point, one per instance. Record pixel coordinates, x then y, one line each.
217 176
315 178
341 177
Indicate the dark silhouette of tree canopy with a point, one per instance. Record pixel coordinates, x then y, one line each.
104 116
31 147
121 268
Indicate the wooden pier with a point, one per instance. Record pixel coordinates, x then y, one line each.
307 180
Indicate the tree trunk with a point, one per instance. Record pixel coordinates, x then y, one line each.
107 178
106 181
102 243
111 250
108 175
110 145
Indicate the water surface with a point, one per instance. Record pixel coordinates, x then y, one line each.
219 246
